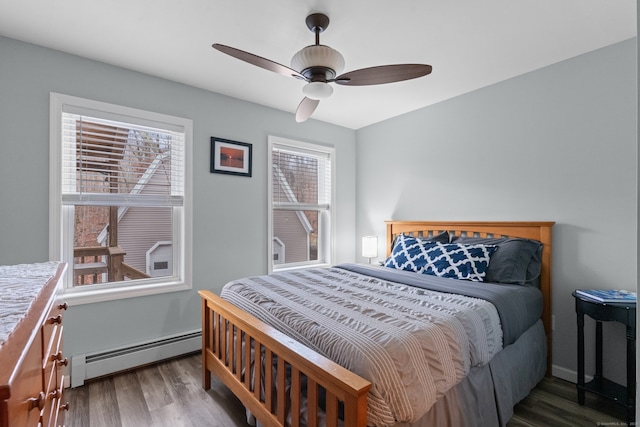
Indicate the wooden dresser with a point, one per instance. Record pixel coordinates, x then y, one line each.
31 358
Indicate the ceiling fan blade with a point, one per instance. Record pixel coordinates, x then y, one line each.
383 74
259 61
306 108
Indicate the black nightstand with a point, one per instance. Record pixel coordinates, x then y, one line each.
602 312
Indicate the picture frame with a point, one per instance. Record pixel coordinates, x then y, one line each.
230 157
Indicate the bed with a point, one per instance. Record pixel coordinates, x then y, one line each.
320 347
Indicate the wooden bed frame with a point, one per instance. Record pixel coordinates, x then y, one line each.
264 393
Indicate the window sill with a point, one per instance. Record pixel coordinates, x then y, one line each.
300 267
77 296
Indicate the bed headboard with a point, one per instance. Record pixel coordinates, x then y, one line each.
540 231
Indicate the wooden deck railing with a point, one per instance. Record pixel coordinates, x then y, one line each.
97 260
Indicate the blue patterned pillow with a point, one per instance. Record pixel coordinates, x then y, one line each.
458 261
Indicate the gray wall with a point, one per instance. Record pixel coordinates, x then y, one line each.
229 219
557 144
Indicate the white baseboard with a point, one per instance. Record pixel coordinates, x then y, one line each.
87 366
94 365
567 374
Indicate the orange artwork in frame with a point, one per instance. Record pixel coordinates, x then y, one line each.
230 157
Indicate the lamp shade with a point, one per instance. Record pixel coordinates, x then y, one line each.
318 56
317 90
370 246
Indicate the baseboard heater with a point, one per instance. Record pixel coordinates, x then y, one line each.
88 366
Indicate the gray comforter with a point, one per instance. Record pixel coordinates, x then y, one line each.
519 306
412 342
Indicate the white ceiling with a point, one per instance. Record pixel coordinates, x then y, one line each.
469 43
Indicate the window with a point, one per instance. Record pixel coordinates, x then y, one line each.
120 199
301 203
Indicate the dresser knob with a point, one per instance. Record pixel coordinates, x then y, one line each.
65 407
60 361
55 320
63 306
37 402
54 394
56 357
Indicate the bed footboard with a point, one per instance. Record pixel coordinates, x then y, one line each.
300 377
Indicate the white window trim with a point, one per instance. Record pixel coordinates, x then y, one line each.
115 291
271 140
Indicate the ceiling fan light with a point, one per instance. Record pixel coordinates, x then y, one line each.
317 90
318 56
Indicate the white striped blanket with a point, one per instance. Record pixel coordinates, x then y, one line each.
412 344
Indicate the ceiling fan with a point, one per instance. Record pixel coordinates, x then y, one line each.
320 65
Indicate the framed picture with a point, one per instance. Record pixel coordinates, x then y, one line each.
230 157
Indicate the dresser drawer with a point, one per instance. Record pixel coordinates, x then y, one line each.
27 398
51 356
53 359
52 362
53 414
52 326
53 379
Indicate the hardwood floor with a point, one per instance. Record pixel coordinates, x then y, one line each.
554 402
170 394
167 394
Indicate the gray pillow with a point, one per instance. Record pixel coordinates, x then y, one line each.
516 261
440 238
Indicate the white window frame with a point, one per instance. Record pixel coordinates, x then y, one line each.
61 218
327 239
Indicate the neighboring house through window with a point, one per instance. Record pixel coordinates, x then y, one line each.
301 204
120 208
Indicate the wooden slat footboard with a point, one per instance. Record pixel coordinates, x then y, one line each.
232 338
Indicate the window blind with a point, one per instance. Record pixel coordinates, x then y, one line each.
301 179
106 162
